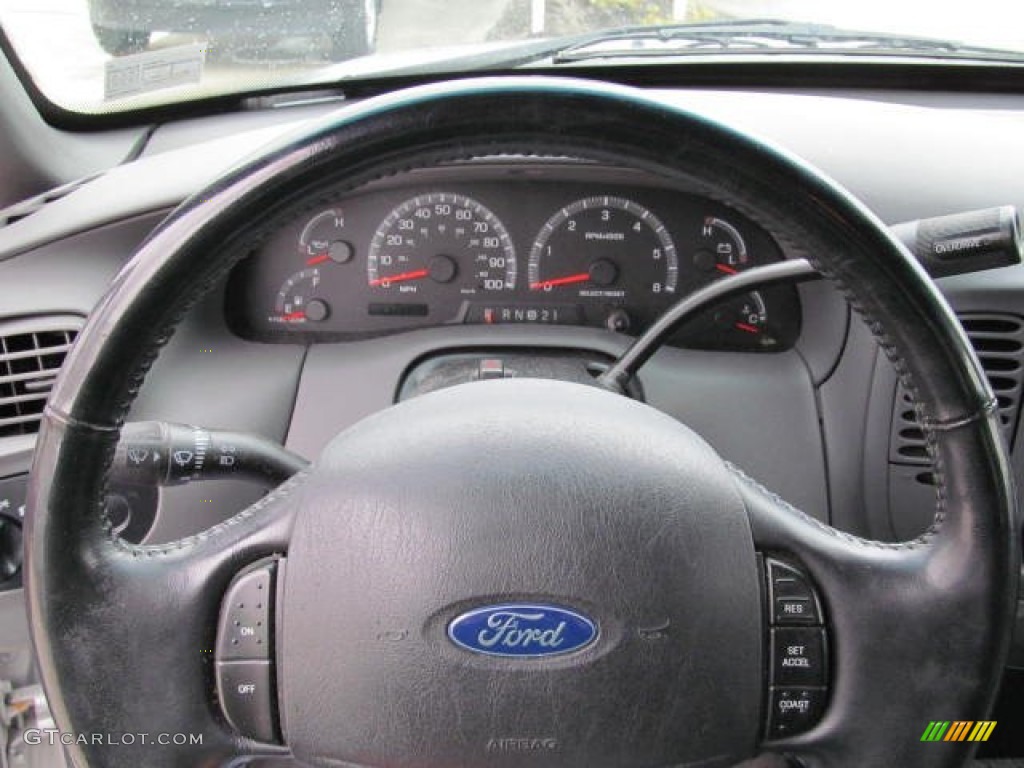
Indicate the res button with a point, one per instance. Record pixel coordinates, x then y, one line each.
793 601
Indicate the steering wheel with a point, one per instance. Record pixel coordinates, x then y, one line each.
627 584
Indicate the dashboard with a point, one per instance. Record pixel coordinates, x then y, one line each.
508 242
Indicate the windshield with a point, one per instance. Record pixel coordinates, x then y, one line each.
98 56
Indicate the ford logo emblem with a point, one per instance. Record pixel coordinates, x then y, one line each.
522 630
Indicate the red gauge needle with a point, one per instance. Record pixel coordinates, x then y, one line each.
317 260
582 277
417 274
726 268
748 328
296 315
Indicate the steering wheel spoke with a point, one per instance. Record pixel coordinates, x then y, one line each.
896 619
143 619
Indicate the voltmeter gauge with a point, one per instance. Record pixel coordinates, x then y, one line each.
721 248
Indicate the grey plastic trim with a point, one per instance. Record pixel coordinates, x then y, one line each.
151 184
771 430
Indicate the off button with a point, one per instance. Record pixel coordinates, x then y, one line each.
246 696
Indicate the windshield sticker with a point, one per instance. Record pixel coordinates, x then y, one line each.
153 71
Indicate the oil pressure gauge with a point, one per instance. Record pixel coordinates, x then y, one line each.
323 239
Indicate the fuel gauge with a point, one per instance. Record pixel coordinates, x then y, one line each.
298 300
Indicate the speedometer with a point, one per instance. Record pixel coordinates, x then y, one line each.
437 240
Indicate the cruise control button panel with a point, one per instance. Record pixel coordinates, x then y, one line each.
245 655
798 671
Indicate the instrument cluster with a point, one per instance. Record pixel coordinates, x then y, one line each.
543 243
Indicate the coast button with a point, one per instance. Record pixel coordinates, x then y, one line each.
794 710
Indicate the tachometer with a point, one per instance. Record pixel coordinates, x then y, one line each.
439 239
603 247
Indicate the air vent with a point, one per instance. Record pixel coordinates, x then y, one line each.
31 353
999 342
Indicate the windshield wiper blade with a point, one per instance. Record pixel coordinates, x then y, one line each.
761 36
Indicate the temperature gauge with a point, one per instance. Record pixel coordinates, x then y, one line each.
738 323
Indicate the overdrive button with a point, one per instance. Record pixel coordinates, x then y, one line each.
246 696
798 656
244 631
794 710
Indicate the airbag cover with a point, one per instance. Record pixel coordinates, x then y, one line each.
522 493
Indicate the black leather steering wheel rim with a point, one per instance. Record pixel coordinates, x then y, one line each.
110 620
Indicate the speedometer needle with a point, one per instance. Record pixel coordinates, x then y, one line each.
417 274
582 277
297 315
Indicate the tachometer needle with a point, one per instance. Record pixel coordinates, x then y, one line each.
317 260
417 274
296 315
748 328
582 277
726 269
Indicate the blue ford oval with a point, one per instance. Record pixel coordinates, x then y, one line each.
522 630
